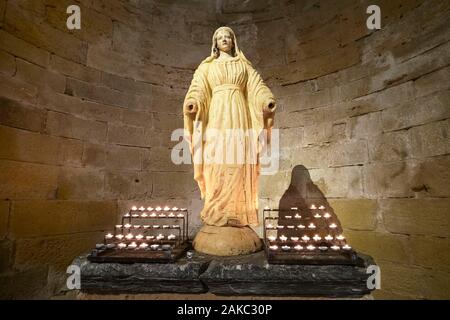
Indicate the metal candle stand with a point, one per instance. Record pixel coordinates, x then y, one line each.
127 246
303 245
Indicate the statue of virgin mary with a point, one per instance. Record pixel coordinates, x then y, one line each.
226 109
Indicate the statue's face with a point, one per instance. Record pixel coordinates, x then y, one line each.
224 41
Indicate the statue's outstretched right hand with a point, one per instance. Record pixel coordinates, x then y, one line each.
190 107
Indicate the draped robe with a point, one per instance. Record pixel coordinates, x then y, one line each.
231 97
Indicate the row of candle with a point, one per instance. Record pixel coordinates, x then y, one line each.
310 247
166 208
143 245
312 207
139 237
326 215
311 226
316 238
153 215
138 226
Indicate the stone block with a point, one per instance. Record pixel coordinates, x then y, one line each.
356 214
15 89
159 159
350 152
390 146
430 252
80 183
16 144
36 218
4 218
342 182
27 180
6 255
25 25
39 76
64 125
382 246
365 126
433 82
7 64
416 216
126 135
25 284
72 69
167 122
57 252
394 179
164 186
420 111
21 115
126 85
23 49
72 152
431 139
128 185
137 118
94 155
432 177
124 158
317 134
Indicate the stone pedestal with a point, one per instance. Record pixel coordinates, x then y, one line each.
227 241
248 275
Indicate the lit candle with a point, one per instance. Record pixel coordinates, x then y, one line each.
346 247
153 215
297 216
156 226
291 227
119 236
327 215
135 215
288 217
272 238
300 226
183 209
311 226
317 216
305 238
121 245
286 248
266 208
149 237
171 215
144 215
280 227
132 245
149 209
317 237
162 215
294 208
137 226
313 207
310 247
274 247
180 215
166 208
269 226
333 226
139 237
335 248
171 236
340 237
323 248
126 215
129 236
158 209
174 209
146 226
118 226
143 245
159 237
141 208
134 208
283 238
329 237
298 247
154 246
166 226
176 226
321 208
109 236
294 238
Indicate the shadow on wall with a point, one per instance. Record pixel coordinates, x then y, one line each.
303 193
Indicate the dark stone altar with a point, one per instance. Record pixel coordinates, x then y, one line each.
238 275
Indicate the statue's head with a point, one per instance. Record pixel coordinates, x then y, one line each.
224 40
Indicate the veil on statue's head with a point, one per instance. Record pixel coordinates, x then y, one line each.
215 50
